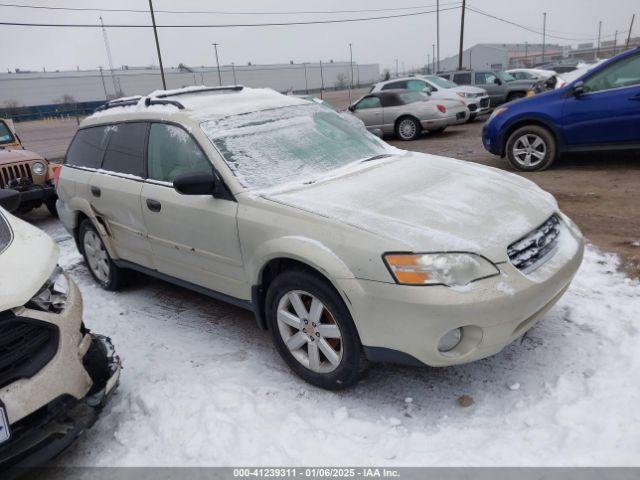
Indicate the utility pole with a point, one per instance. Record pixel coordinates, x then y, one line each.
397 74
544 33
429 64
233 69
615 43
155 33
433 57
109 59
438 30
351 69
306 81
599 30
630 28
215 46
464 5
104 86
321 80
526 54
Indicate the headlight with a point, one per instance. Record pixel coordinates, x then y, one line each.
52 297
450 269
38 168
496 112
462 94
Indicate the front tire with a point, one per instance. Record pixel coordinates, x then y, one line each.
531 148
313 330
408 128
101 266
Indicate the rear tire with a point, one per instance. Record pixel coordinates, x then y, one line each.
100 264
531 148
408 128
308 318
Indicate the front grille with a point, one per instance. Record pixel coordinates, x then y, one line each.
484 103
13 172
26 346
473 107
536 247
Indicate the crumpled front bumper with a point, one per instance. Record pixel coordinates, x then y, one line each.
35 193
42 435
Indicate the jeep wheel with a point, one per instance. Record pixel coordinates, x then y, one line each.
408 128
313 330
101 266
531 148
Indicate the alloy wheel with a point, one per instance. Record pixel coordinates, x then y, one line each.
97 256
529 150
310 331
407 129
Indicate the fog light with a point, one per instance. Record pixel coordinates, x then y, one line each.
450 340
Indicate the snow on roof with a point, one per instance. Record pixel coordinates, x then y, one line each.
201 103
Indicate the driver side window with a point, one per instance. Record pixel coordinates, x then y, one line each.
172 152
624 73
417 85
368 102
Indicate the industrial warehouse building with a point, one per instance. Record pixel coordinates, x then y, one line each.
29 89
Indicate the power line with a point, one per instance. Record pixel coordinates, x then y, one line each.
530 29
218 12
224 25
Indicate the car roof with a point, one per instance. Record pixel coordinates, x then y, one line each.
191 104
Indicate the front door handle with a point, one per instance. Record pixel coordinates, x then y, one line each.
95 191
154 205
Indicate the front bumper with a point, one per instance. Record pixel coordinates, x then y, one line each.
35 193
405 323
47 411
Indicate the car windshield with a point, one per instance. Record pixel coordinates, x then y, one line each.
412 97
505 77
5 134
441 82
272 147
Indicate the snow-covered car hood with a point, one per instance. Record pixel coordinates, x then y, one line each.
468 89
427 203
27 259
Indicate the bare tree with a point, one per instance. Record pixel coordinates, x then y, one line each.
341 81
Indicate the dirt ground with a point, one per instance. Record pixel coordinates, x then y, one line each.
599 191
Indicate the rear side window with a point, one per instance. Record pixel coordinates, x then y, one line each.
172 152
462 78
394 85
88 147
126 149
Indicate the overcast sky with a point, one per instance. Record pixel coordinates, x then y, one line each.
408 39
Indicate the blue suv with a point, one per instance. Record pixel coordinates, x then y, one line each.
598 111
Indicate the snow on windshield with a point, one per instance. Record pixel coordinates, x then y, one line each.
271 147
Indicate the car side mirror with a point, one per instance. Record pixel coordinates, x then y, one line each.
497 81
352 108
196 184
426 91
9 199
578 89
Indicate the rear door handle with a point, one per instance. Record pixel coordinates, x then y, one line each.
95 191
154 205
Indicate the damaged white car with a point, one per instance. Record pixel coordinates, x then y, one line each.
55 375
345 248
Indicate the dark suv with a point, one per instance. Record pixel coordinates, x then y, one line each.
501 86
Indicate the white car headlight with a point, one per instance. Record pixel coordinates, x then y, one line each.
38 168
52 297
462 94
450 269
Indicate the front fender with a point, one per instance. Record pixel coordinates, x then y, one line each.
303 249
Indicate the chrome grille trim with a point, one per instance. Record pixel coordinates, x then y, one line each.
535 248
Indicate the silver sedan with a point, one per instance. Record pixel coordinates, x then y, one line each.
407 113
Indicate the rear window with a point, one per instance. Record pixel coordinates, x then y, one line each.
126 149
87 147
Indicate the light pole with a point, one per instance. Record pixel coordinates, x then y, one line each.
433 58
351 68
544 33
306 80
321 80
397 74
215 46
438 30
155 33
233 68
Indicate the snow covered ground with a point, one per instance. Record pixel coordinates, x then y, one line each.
203 386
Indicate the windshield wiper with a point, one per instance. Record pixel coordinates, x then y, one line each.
376 157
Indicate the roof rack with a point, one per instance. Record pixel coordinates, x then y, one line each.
233 88
154 101
119 103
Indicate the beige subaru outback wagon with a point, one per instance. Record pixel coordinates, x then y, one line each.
345 248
